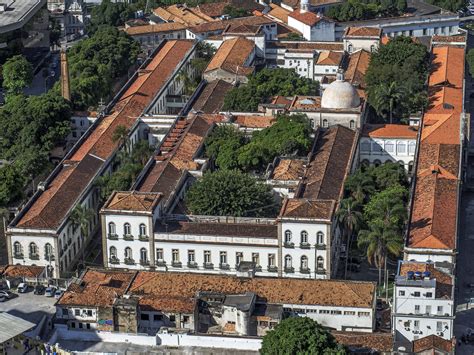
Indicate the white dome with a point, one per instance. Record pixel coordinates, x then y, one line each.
339 95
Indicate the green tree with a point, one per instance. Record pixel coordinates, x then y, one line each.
222 145
231 193
109 13
470 61
450 5
388 207
294 36
385 98
349 217
234 12
81 218
387 175
298 336
380 241
289 135
11 185
265 84
360 186
17 74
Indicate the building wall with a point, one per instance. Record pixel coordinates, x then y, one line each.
354 44
323 31
152 40
432 255
327 119
302 63
224 75
322 70
378 151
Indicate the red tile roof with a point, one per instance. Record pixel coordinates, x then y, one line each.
380 342
389 131
357 67
132 201
52 206
447 66
431 343
211 99
307 17
232 55
444 281
362 32
159 28
13 271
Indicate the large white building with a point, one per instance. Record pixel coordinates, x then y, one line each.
312 26
43 233
381 143
423 301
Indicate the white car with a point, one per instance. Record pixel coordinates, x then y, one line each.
49 292
22 288
5 294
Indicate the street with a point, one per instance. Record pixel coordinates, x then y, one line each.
29 306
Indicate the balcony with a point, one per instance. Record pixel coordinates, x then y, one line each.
160 263
144 262
114 260
321 271
321 246
127 237
143 238
289 270
208 266
304 270
258 268
112 236
305 245
177 264
289 245
129 261
18 256
224 266
49 257
272 268
192 265
34 256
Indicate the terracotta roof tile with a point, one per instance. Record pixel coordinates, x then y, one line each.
216 9
279 13
444 281
251 121
330 58
182 14
288 169
357 67
447 66
295 4
232 55
308 46
389 131
305 208
159 28
308 18
211 99
133 201
433 343
449 39
166 304
12 271
252 230
98 288
305 103
274 290
380 342
362 32
221 25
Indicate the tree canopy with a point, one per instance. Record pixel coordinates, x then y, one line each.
231 193
96 62
470 61
265 84
17 74
366 9
109 13
450 5
298 336
395 78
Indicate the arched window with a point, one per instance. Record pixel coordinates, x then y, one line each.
365 163
128 253
401 162
304 262
304 237
410 167
113 252
288 262
389 147
142 229
127 230
377 162
112 230
320 263
325 123
17 249
352 124
33 249
411 148
320 238
372 48
143 255
287 236
401 148
48 251
350 48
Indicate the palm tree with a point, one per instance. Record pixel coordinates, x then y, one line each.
380 241
120 135
350 218
390 94
81 217
360 185
188 84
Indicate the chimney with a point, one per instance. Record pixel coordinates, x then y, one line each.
65 85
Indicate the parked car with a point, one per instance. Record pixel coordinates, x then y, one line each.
39 290
5 294
49 292
22 288
58 293
3 299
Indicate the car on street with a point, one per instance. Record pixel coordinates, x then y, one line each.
5 294
39 290
58 293
3 299
49 292
22 288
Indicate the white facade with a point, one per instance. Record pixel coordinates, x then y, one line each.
302 62
419 310
353 44
377 151
323 30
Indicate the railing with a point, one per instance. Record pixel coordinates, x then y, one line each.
129 261
321 246
127 237
304 270
220 219
177 264
272 268
144 262
34 256
112 236
208 266
321 271
305 245
114 260
289 270
143 238
49 257
192 265
289 245
18 256
224 266
160 263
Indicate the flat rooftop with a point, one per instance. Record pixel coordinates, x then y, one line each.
18 13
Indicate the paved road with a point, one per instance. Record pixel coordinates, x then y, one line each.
29 306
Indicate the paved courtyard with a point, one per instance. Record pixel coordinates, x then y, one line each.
29 306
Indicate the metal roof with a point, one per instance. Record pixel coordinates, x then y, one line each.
11 326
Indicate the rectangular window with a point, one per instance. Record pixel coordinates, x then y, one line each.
175 253
401 293
440 310
159 254
256 259
73 324
157 317
65 312
439 326
417 309
336 312
207 256
144 316
77 312
191 256
239 256
364 314
88 326
429 294
416 324
428 309
323 311
416 294
172 318
89 312
349 313
223 257
271 259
